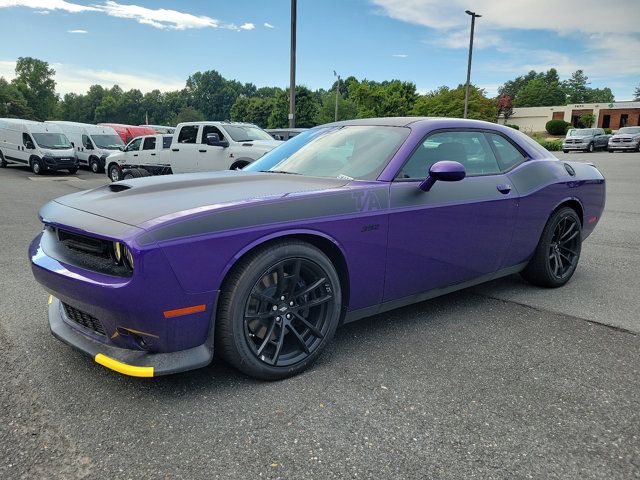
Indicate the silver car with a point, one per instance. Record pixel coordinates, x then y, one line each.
627 138
585 140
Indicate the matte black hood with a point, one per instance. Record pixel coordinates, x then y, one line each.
135 202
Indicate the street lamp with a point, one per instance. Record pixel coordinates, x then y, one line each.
466 95
337 93
292 68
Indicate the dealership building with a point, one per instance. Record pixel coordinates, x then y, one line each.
612 115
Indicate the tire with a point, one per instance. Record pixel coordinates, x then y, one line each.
239 165
565 151
37 167
73 170
611 151
115 172
3 162
260 307
589 148
558 252
94 165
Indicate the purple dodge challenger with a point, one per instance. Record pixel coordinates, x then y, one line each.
151 276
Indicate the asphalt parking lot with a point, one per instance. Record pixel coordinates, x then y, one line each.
501 381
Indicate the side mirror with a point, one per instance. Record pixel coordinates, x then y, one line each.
445 171
213 139
29 145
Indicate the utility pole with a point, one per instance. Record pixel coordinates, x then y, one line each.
466 94
292 73
337 93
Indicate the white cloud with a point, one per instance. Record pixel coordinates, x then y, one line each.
47 5
400 55
75 79
268 25
77 31
161 18
43 12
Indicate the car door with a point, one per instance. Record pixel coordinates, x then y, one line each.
211 158
148 152
457 231
184 152
133 151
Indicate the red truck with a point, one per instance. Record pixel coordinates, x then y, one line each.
129 132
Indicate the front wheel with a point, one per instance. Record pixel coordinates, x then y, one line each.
557 254
94 163
589 148
3 162
278 310
115 172
73 170
36 166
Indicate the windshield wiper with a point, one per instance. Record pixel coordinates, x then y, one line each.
280 171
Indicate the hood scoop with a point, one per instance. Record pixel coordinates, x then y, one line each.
118 187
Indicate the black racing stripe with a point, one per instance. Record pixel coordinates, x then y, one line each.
290 209
532 176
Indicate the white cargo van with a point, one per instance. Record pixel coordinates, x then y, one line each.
42 146
92 143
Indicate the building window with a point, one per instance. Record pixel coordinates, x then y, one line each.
624 118
606 121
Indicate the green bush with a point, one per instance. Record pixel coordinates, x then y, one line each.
511 125
557 127
551 145
607 131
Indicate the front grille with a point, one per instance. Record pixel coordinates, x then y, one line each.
84 319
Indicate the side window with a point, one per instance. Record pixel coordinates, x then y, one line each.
134 144
188 134
210 129
166 142
86 143
508 155
26 138
471 149
149 143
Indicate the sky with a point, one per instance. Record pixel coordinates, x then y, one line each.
158 44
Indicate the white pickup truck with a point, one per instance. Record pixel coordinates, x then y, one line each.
194 147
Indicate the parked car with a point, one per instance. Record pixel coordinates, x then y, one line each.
92 143
284 134
585 139
364 216
161 128
129 132
41 146
208 146
626 139
148 152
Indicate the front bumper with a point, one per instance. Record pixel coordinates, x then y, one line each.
575 146
135 363
623 146
54 163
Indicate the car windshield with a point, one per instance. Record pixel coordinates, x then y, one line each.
246 133
580 132
350 152
630 130
108 142
54 141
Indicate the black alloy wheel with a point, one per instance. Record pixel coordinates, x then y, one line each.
278 309
556 256
288 312
564 248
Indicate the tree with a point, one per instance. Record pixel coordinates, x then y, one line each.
538 93
636 94
12 102
307 106
576 87
252 109
586 120
597 95
347 109
34 80
186 114
107 110
445 102
505 107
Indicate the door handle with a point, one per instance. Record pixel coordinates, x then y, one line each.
135 154
153 154
175 149
504 188
202 151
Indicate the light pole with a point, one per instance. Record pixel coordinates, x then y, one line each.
292 71
466 94
337 93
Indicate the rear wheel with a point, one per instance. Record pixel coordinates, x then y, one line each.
278 310
3 162
557 254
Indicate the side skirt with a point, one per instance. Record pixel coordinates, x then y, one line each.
354 315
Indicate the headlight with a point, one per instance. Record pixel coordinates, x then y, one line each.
122 255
